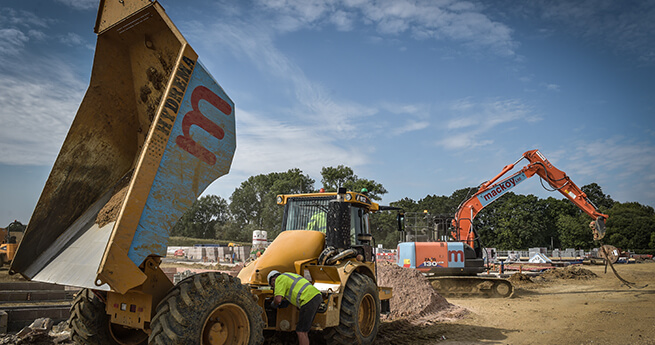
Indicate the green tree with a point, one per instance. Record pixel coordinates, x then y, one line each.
253 203
199 221
343 176
554 208
574 231
333 178
518 222
652 240
597 197
630 225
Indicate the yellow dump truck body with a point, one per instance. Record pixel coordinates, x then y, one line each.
152 132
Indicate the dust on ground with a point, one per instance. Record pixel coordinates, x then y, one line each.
563 309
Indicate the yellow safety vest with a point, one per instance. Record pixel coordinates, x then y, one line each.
296 289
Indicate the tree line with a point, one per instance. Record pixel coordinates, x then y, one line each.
513 221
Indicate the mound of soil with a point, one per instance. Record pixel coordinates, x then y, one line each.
520 280
570 272
413 296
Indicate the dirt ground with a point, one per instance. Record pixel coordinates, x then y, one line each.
558 310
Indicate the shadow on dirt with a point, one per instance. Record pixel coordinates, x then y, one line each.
403 332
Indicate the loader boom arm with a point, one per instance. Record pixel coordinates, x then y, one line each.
492 190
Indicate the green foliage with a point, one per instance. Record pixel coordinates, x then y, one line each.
630 225
574 231
333 178
201 218
597 197
384 227
253 204
511 222
343 176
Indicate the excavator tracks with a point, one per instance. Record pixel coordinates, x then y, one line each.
474 286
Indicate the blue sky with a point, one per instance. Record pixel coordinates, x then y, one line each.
425 97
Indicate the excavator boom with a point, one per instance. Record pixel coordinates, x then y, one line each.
492 190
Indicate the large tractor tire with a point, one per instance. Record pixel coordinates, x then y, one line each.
359 317
208 308
89 324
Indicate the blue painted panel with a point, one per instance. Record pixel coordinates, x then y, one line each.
500 188
199 150
407 254
456 255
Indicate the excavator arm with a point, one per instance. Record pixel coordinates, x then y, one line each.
492 190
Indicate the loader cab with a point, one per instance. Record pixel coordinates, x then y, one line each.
311 212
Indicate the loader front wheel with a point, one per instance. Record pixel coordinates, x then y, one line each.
208 309
89 324
359 317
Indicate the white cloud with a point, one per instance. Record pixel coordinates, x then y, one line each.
618 160
624 27
17 28
267 145
460 21
313 105
471 122
18 18
39 101
80 4
12 41
71 39
411 126
343 20
552 87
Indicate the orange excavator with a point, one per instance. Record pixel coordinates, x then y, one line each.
490 191
453 266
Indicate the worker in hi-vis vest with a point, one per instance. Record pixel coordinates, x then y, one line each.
299 292
318 222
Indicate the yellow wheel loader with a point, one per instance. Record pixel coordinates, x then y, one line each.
325 238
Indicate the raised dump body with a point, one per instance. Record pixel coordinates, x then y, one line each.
152 132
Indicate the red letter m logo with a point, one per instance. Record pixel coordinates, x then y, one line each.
455 256
195 117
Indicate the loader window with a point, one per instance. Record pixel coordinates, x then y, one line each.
358 224
306 214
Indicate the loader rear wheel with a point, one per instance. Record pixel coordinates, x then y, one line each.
359 317
208 308
90 324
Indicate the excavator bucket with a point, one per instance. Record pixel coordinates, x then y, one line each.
598 227
152 132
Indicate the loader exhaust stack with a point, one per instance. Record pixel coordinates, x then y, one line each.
153 131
